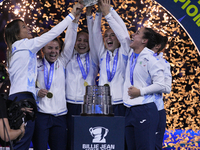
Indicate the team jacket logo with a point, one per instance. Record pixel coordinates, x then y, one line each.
98 134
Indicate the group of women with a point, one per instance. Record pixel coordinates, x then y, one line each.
136 74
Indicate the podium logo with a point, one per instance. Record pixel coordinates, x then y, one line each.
98 134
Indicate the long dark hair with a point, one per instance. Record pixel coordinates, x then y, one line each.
162 40
150 34
11 33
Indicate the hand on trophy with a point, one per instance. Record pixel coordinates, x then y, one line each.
87 3
105 6
77 9
77 17
89 11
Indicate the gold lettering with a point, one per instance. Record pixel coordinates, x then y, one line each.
179 0
197 17
186 4
198 23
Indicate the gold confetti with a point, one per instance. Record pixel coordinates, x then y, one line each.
182 104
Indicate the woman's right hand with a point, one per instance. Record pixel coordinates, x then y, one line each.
105 6
77 9
42 93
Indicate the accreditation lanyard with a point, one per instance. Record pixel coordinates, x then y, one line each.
48 77
84 74
132 66
110 75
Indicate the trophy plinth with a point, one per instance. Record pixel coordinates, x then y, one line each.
97 101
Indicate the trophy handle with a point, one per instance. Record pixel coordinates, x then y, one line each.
91 131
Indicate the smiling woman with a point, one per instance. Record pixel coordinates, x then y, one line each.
112 49
51 123
22 60
82 44
24 31
51 51
110 40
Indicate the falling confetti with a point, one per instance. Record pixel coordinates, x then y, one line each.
182 104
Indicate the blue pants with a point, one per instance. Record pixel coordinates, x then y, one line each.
160 129
24 143
73 109
52 130
119 109
141 122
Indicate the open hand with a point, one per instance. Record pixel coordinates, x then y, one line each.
105 6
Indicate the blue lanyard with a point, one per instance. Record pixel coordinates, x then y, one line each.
84 74
114 68
132 66
48 77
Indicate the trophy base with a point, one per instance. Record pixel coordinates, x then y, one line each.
106 115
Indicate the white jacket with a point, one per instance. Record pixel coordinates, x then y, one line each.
119 28
57 104
22 69
168 82
148 76
75 89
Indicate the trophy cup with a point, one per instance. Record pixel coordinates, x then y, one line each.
87 3
97 101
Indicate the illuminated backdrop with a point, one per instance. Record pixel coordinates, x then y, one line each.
187 13
182 104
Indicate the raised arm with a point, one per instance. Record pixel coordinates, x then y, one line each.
70 39
97 35
122 36
119 20
37 43
90 23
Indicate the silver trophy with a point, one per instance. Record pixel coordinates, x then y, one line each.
97 101
87 3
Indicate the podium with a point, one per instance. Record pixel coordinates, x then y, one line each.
98 133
